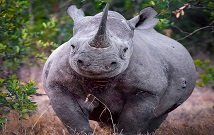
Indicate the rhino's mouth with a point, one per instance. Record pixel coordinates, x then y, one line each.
98 72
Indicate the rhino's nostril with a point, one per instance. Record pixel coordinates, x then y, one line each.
113 63
80 62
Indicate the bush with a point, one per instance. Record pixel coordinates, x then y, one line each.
26 38
15 96
206 76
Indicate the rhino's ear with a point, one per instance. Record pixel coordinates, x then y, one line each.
75 13
145 20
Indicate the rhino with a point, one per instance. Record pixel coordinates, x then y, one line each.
119 72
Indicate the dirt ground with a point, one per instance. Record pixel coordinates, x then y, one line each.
193 117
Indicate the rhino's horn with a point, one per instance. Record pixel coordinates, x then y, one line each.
101 39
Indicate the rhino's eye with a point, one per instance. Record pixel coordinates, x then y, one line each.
123 52
72 46
125 49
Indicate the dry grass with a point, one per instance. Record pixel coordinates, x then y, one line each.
194 117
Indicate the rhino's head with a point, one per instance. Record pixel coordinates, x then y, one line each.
102 44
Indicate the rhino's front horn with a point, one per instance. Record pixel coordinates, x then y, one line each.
101 38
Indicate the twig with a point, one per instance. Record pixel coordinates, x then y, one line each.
106 107
194 32
180 30
40 117
195 7
40 94
92 102
94 130
121 132
212 23
63 131
102 114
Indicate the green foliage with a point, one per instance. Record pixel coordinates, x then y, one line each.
13 51
18 95
210 6
40 40
15 96
206 76
24 41
2 121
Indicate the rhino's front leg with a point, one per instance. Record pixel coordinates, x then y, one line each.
137 114
69 111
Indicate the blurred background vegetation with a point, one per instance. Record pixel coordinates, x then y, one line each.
31 29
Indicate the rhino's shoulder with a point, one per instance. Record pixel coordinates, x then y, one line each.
62 51
57 63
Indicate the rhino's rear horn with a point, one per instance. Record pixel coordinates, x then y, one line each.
101 39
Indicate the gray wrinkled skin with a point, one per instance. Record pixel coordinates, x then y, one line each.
138 73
